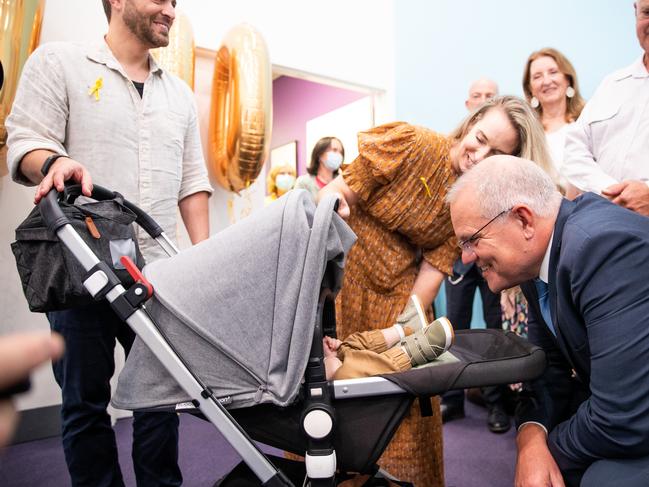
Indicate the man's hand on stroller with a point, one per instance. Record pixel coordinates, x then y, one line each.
64 169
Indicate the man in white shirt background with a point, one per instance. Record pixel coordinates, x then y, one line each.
607 149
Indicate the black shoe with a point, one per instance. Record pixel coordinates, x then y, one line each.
497 420
451 412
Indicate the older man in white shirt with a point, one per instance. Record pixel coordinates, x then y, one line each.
607 149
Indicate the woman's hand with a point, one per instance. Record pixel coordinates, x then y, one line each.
343 208
346 197
427 284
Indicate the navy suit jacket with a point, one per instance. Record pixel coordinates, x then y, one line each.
594 395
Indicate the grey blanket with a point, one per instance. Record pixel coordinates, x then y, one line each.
240 307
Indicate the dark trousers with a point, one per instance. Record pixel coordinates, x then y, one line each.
84 373
460 291
628 472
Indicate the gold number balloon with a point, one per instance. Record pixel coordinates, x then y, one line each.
20 32
179 57
241 109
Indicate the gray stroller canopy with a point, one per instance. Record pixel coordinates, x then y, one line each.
240 307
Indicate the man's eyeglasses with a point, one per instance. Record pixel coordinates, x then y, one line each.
467 245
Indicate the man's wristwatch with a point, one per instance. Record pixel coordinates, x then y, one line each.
48 163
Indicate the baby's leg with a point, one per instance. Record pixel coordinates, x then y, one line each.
366 363
373 340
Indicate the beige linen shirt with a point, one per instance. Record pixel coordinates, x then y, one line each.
146 148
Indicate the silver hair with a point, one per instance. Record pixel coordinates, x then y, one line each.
502 182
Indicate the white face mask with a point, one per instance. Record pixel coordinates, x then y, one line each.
333 160
284 182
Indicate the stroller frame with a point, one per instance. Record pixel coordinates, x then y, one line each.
317 416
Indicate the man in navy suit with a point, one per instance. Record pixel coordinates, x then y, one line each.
583 266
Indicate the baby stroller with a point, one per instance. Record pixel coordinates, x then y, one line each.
234 330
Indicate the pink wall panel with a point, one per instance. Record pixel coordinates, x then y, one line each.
295 101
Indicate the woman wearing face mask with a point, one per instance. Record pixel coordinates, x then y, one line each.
326 158
550 85
393 198
280 180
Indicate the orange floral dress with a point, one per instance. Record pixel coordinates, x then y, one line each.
402 175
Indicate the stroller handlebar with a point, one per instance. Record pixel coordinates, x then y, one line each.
55 219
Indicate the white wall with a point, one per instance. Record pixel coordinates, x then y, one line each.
350 41
347 41
345 122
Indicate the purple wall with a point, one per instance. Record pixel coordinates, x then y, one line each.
295 101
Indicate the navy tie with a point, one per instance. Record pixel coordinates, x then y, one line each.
544 303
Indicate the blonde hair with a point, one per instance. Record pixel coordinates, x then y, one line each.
271 187
531 145
574 105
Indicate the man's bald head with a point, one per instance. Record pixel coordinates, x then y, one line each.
479 92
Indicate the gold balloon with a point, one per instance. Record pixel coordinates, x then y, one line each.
20 27
241 109
179 57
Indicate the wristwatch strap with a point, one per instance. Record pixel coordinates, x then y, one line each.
48 163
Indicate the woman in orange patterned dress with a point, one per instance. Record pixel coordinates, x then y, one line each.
392 196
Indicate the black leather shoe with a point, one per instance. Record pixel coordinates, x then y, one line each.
497 420
451 412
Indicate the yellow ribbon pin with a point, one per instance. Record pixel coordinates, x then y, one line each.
94 91
423 181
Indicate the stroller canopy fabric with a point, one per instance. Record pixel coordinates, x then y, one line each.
240 307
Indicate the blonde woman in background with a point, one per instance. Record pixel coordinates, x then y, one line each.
326 158
551 87
279 181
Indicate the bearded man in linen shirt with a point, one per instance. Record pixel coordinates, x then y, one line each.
109 114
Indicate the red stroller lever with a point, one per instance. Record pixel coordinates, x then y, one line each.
136 274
